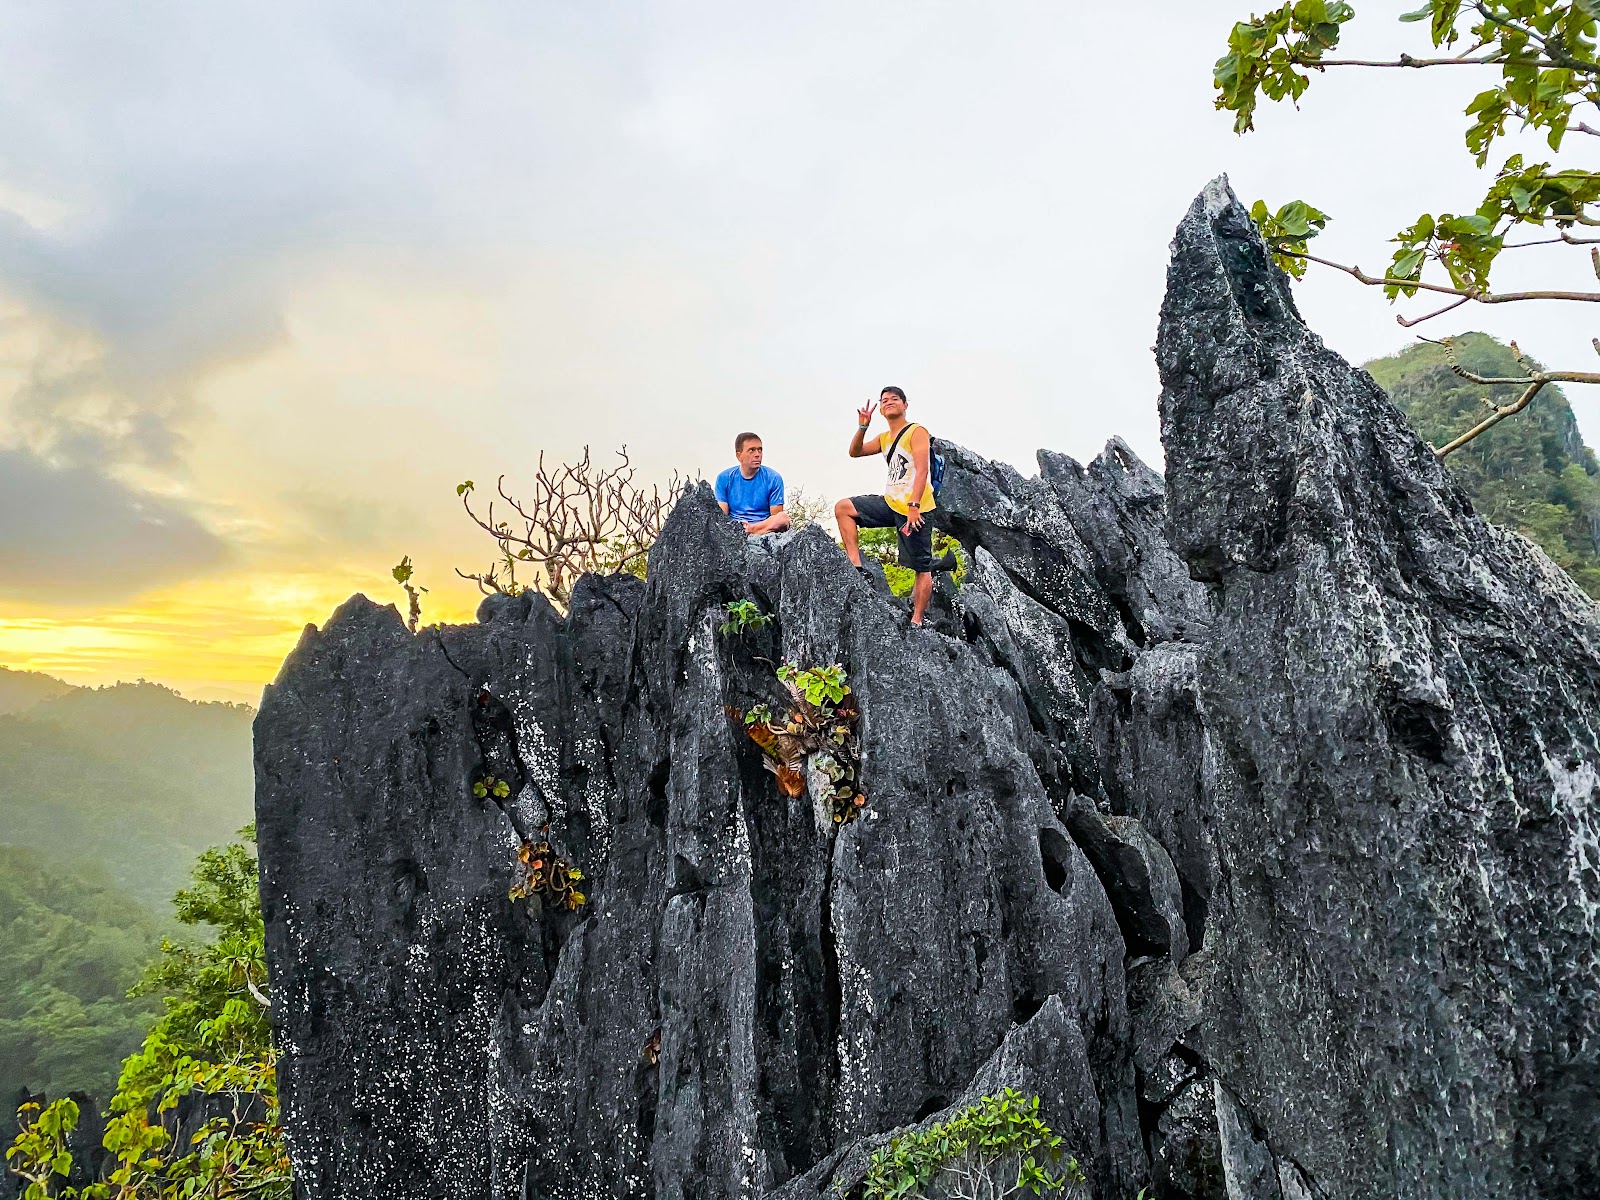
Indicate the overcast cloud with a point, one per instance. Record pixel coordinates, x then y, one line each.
369 249
69 534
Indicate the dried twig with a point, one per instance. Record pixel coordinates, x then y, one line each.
579 519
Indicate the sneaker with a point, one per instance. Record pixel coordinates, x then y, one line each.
864 572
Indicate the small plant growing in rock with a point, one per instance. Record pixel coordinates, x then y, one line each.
402 575
996 1149
821 686
490 786
549 876
819 732
743 615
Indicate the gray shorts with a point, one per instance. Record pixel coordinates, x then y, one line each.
916 550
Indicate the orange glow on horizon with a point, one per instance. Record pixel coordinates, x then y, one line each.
218 639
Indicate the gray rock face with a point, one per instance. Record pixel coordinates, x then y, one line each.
1247 818
1408 702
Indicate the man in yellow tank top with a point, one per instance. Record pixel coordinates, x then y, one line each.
907 495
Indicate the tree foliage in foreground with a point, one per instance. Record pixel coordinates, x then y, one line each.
195 1114
1541 68
1536 476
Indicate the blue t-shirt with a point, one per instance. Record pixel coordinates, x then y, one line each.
750 499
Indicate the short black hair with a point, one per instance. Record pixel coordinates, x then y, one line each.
901 392
738 442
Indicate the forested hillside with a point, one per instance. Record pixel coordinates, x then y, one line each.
1531 473
128 783
69 950
107 795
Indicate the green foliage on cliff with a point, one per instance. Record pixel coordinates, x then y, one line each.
1531 473
69 951
212 1045
997 1148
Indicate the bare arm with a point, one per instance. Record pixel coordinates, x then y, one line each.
723 505
919 474
778 520
863 419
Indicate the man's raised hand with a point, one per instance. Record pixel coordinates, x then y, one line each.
864 413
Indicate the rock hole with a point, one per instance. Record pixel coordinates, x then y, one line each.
931 1105
1420 728
647 1082
1055 852
656 793
1024 1005
686 878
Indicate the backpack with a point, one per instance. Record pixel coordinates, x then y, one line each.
935 460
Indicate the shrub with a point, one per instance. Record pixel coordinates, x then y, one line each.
995 1149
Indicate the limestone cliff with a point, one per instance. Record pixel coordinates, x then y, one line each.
1248 818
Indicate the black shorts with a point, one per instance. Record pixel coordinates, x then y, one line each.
916 550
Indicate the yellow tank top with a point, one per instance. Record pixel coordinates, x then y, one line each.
902 470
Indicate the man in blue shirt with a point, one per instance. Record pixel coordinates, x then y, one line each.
750 493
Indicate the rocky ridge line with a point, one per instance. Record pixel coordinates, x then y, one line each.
1248 819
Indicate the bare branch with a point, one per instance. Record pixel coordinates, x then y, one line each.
1533 383
1361 276
1493 419
579 518
1439 313
1405 60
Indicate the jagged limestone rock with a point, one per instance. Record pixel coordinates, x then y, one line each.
1405 930
741 992
1275 879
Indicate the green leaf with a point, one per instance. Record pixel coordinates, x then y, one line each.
1422 14
1405 266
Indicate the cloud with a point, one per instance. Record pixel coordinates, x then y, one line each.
72 534
72 407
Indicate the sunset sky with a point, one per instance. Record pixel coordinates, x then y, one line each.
274 278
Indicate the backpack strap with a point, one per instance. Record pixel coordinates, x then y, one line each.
910 425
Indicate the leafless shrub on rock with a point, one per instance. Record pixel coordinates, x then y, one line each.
579 519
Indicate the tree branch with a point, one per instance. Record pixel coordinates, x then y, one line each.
1361 276
1406 60
1439 313
1533 383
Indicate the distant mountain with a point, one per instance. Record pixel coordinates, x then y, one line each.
21 690
128 782
1531 473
